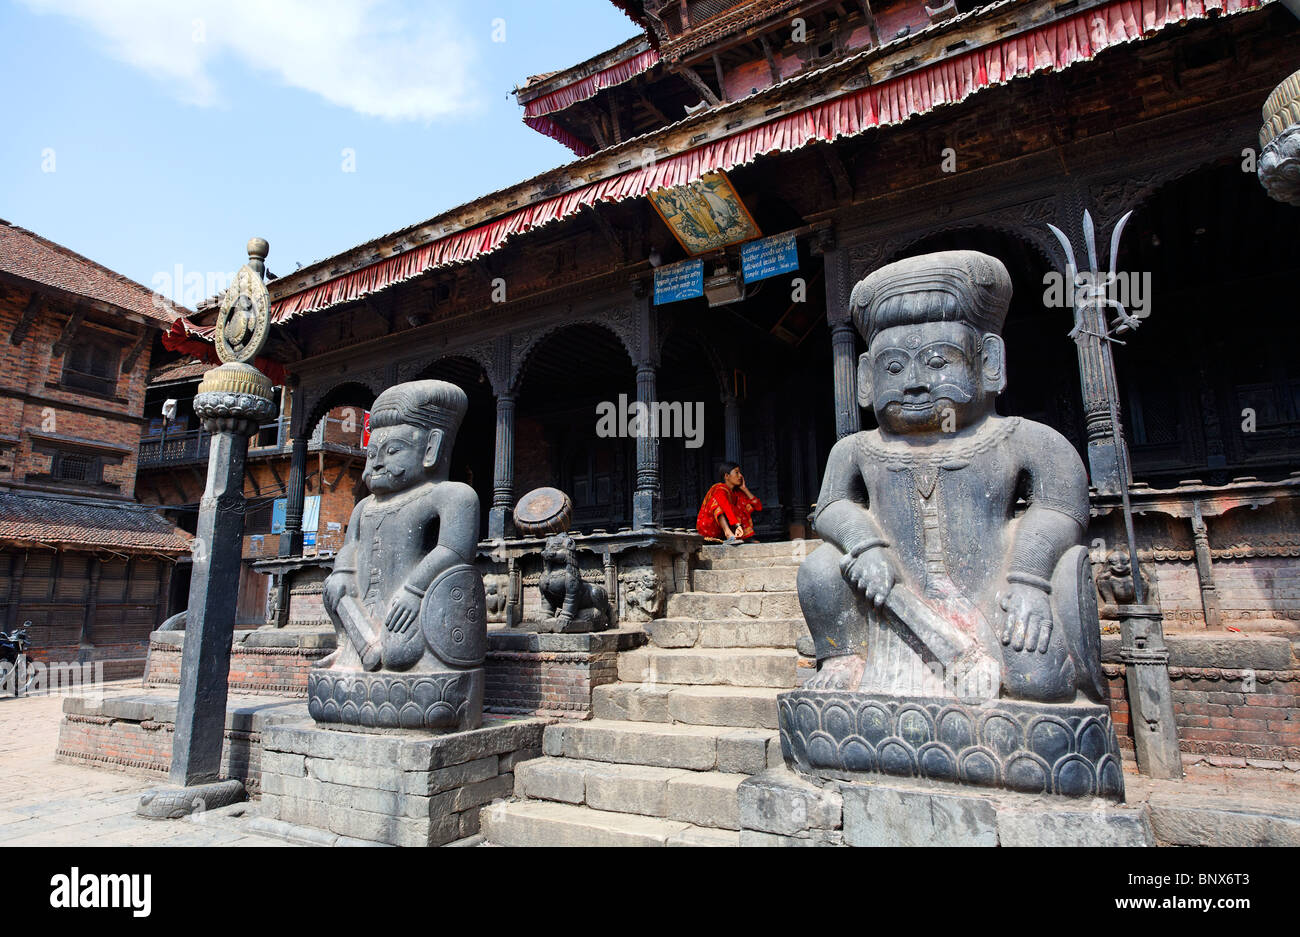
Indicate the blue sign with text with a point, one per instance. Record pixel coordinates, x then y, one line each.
768 257
679 281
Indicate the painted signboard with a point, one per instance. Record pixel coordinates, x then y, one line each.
705 215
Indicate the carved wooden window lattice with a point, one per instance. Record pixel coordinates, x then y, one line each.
91 366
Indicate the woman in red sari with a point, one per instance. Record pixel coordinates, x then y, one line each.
728 508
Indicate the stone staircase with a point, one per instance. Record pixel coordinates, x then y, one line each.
692 715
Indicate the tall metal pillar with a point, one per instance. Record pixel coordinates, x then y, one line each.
500 517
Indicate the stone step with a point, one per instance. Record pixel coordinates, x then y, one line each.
702 798
727 632
759 666
545 823
758 562
665 745
762 579
714 605
713 551
739 706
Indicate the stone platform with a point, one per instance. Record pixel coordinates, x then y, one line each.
134 732
272 661
783 808
397 787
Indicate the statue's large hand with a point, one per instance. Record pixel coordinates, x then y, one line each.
1027 625
402 610
336 586
872 573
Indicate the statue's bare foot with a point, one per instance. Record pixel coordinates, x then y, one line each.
838 673
372 656
329 659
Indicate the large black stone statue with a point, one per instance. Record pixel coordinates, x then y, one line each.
952 604
408 604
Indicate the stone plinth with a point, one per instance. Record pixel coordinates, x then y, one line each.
134 733
399 787
783 808
1035 748
552 674
273 661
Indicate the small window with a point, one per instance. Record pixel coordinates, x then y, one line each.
76 467
92 366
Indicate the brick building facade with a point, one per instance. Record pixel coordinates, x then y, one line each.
79 558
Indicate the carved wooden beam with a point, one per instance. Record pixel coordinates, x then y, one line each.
597 131
69 331
840 178
871 23
132 356
34 306
616 126
771 59
698 83
275 473
608 231
717 71
650 106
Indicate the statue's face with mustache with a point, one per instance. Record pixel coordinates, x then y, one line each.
928 378
395 458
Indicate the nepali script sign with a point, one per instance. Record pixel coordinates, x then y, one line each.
675 282
768 257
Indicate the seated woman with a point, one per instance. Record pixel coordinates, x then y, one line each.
728 508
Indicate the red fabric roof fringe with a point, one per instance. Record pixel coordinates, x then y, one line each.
1050 47
589 87
192 340
553 130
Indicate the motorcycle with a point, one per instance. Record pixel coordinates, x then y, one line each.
13 660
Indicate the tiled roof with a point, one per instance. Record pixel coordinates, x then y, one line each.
183 370
43 521
33 258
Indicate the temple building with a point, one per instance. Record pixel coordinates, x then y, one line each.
80 559
739 166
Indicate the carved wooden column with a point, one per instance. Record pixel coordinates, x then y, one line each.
731 424
647 498
92 602
291 536
15 589
844 343
500 519
1205 567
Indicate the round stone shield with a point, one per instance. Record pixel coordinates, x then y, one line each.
544 511
244 318
453 617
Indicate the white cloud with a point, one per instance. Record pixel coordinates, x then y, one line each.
371 56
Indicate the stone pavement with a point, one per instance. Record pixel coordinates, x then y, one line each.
46 803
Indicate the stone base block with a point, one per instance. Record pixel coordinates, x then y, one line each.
451 699
552 674
408 788
134 733
782 808
1068 749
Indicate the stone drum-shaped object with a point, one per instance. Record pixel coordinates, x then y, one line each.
543 511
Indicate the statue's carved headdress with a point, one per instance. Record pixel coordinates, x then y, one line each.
427 404
948 286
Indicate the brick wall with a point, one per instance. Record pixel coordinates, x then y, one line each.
555 684
258 670
31 367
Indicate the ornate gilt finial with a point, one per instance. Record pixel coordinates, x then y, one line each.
245 316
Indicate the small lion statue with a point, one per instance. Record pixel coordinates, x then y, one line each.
568 603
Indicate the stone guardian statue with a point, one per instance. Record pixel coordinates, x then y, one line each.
951 603
408 604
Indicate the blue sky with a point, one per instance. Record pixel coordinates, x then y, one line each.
148 134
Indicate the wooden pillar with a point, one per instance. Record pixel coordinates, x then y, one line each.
15 589
295 493
92 603
731 423
647 498
163 611
844 343
1205 568
500 517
